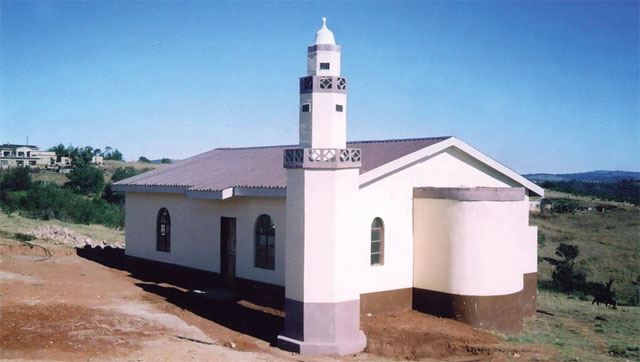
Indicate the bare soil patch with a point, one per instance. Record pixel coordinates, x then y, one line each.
72 308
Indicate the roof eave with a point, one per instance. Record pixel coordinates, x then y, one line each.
379 172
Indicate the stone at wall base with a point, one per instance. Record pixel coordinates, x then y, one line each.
337 348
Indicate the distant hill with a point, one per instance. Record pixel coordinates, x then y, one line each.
591 176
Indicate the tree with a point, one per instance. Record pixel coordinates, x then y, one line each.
60 150
564 277
18 179
122 173
165 160
564 206
568 252
114 155
85 180
144 159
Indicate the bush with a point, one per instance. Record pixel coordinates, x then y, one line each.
122 173
24 237
16 179
542 239
564 206
617 350
53 202
564 278
85 180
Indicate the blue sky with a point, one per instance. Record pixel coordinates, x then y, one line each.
539 86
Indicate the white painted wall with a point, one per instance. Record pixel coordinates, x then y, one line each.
322 235
195 231
469 247
391 198
323 56
323 127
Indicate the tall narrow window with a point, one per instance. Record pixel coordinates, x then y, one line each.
163 231
265 241
377 242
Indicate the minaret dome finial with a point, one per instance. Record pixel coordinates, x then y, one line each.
324 35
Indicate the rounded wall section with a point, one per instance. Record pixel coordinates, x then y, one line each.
468 257
467 247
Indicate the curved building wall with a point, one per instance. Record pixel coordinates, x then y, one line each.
468 255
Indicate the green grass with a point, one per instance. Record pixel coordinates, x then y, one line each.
609 244
50 177
575 333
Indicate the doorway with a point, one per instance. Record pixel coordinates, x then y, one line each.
228 250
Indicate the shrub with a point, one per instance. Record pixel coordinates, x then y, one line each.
85 180
617 350
16 179
542 239
564 278
122 173
563 206
24 237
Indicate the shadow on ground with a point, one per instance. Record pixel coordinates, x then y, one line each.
183 287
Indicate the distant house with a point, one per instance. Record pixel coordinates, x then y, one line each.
97 160
26 156
534 205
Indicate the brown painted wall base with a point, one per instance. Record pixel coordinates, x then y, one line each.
502 313
264 294
530 294
387 301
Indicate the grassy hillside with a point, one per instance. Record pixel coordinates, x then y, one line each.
579 331
609 243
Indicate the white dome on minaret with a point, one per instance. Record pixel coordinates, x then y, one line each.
324 35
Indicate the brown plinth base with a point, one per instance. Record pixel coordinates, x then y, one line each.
387 301
322 328
503 313
530 294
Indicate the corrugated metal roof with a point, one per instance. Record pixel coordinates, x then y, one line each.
260 167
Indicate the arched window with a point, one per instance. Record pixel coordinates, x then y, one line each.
163 231
265 239
377 242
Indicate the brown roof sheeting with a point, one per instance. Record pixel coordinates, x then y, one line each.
261 167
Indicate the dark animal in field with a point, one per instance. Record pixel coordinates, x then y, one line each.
602 294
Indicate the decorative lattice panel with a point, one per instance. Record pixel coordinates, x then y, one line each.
342 83
326 82
322 158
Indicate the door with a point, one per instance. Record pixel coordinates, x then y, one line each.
228 250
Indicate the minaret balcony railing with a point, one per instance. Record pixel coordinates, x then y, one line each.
323 84
322 158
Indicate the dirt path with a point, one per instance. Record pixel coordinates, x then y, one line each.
71 308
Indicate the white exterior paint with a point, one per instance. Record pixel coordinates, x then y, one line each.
391 198
493 167
323 126
195 231
323 56
469 247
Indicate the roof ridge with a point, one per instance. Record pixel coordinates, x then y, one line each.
251 148
350 142
402 140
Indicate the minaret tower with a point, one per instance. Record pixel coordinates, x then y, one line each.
323 95
322 295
